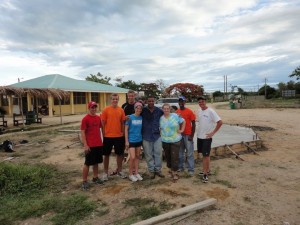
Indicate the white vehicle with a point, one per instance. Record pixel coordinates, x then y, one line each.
173 102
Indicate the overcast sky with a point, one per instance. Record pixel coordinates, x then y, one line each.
145 40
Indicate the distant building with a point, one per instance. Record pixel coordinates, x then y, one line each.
81 92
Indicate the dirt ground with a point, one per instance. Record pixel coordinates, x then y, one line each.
263 189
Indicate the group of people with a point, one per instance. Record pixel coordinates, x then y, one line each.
135 126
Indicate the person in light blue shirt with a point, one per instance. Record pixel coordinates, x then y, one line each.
171 128
133 141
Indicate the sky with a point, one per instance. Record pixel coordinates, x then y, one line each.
176 41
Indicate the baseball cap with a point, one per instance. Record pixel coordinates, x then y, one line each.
92 104
181 98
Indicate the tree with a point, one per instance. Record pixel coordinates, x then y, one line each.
161 86
188 90
271 92
296 73
130 84
99 78
218 94
150 89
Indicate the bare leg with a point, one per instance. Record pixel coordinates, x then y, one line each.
95 170
106 163
119 162
85 172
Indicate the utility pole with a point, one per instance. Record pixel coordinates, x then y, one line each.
265 88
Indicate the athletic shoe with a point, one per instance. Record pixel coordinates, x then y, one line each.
122 175
139 177
191 173
160 174
105 177
97 180
180 170
133 178
85 185
201 173
205 178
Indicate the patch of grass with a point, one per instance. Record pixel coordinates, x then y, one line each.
35 156
34 190
165 206
225 183
139 202
147 212
215 171
231 166
239 223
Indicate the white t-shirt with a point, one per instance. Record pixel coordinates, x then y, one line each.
206 122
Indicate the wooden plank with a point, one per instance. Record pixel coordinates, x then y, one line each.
248 146
233 152
178 212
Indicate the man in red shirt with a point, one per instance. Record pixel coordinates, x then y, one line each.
187 143
92 144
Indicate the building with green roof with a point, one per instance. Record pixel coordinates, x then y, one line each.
80 93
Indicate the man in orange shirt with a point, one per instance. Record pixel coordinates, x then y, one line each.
187 142
113 118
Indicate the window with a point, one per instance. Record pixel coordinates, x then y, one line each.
4 100
64 101
95 97
79 98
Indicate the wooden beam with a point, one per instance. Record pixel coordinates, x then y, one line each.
233 152
248 146
178 212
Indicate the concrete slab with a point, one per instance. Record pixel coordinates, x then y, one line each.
231 134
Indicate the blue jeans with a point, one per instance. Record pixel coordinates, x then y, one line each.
153 154
187 145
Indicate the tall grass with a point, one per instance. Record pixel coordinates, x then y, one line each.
28 191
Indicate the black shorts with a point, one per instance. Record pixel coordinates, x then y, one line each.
204 146
135 144
95 156
117 143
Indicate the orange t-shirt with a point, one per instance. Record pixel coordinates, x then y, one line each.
189 116
113 118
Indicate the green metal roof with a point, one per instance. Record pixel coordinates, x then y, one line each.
68 84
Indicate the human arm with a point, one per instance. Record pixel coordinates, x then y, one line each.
182 127
126 137
86 148
219 124
191 137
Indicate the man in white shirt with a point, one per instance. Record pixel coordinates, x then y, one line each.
209 124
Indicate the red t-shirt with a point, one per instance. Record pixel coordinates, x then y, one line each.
91 125
189 116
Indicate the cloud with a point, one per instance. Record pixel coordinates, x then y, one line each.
176 41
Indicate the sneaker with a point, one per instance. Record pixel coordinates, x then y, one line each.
138 176
85 185
132 178
105 177
160 174
122 175
201 173
97 180
205 178
180 170
191 173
